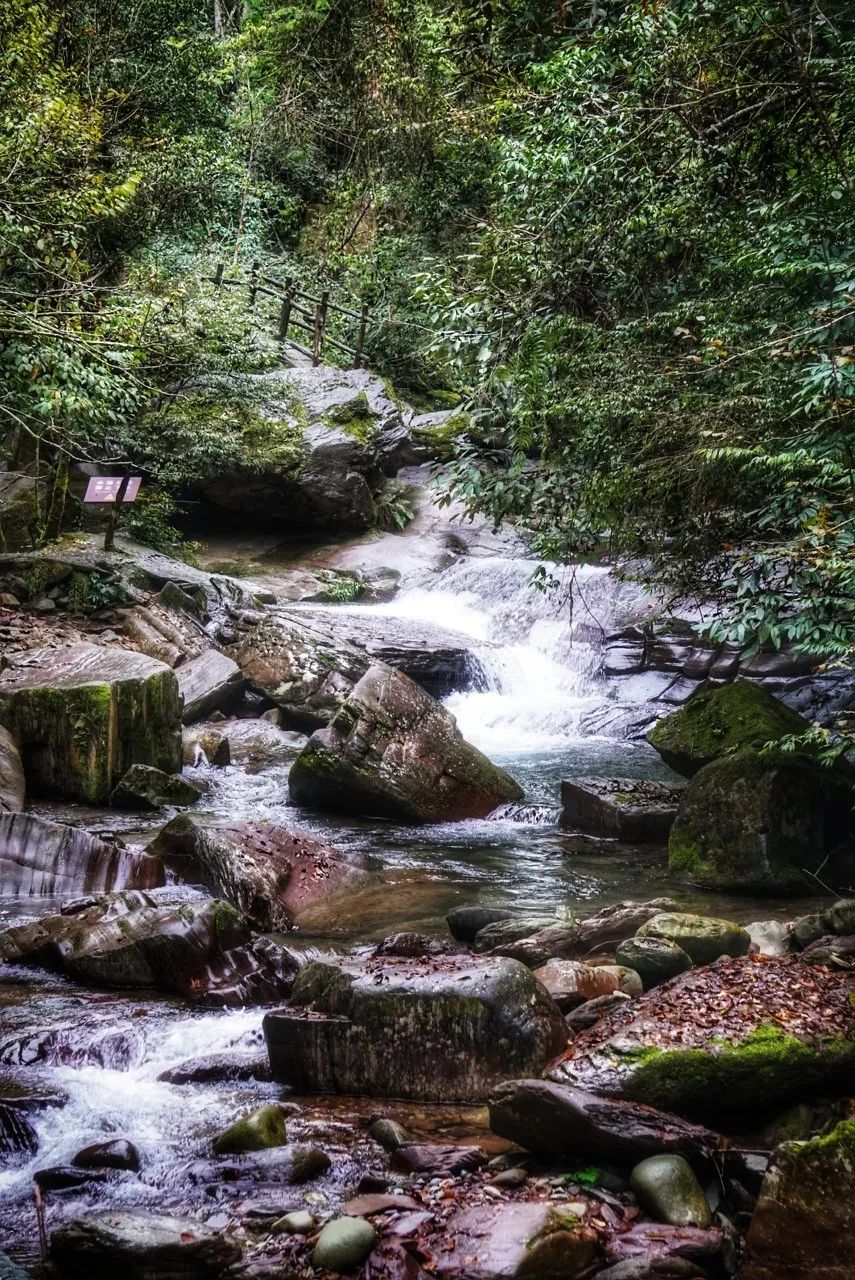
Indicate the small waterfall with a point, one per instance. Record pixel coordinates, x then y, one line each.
538 650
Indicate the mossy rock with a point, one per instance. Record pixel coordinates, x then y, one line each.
747 822
719 722
254 1132
702 938
144 787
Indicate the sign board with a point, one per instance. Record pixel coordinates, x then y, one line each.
106 488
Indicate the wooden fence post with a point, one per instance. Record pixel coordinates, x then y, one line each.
360 337
253 284
320 328
285 311
218 274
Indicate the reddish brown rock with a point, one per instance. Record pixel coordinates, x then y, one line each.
571 983
506 1241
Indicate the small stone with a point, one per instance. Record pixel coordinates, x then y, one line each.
309 1163
299 1223
667 1187
389 1134
655 960
118 1154
344 1244
44 604
8 601
516 1177
254 1132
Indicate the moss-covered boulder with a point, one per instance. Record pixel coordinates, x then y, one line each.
22 497
393 751
632 809
655 960
144 787
804 1223
702 938
260 1129
718 722
746 822
84 714
443 1029
745 1036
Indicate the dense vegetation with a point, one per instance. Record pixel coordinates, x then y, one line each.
621 232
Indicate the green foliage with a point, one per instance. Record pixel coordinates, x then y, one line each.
341 588
393 509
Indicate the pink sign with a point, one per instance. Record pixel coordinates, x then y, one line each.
106 489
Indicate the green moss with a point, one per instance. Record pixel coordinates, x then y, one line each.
355 418
768 1065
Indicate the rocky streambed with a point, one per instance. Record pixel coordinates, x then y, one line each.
375 939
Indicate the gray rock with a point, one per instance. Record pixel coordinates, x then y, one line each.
445 1029
465 922
144 787
389 1134
13 787
840 919
509 1241
9 1271
392 751
83 715
117 1154
344 1244
631 809
702 938
591 1011
206 744
22 497
211 682
655 960
142 1246
667 1186
47 859
299 1223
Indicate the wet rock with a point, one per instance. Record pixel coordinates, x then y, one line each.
9 1271
47 859
413 945
553 1118
748 822
298 1223
22 499
220 1068
587 1014
128 941
578 939
118 1154
262 1128
366 1205
744 1036
256 743
465 923
344 1244
269 872
140 1246
261 971
718 722
308 1163
18 1139
839 952
653 1268
83 715
436 1159
389 1134
65 1177
447 1029
666 1185
206 744
655 1244
702 938
655 960
505 1241
633 809
840 919
13 788
504 933
807 929
341 435
770 937
392 751
143 787
210 682
804 1220
571 983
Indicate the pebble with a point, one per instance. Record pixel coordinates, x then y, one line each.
299 1223
389 1134
516 1177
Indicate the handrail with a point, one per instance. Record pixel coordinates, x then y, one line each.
292 314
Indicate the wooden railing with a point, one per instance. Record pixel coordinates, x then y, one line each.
293 313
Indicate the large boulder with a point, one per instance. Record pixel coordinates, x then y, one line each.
330 437
632 809
394 752
128 940
143 787
444 1029
13 788
702 938
210 682
558 1120
720 721
750 823
571 983
21 498
47 859
269 872
84 714
744 1036
141 1246
804 1221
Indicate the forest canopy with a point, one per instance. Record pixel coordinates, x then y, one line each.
620 233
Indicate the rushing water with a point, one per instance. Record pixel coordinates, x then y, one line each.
536 683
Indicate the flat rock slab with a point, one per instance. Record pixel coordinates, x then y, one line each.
47 859
631 809
84 714
444 1029
506 1241
13 788
211 682
748 1034
559 1120
576 939
392 751
140 1246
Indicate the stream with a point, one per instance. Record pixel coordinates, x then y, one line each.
536 688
